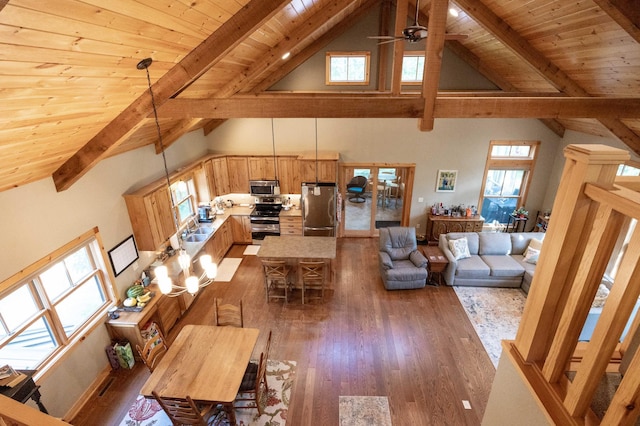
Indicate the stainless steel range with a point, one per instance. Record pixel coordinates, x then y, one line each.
265 218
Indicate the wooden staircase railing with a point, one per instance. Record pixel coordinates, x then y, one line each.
14 413
591 210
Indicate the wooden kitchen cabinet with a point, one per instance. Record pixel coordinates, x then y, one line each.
151 216
289 175
262 168
220 242
241 229
290 225
161 309
437 225
220 176
168 312
327 171
238 172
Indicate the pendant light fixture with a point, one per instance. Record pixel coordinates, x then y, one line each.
192 283
316 189
276 189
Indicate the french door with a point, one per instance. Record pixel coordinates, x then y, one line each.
383 200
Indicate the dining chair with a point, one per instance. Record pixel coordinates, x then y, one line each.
254 388
153 350
184 411
313 278
383 192
265 353
228 314
276 277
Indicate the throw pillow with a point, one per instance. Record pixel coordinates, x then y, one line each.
531 255
535 244
459 248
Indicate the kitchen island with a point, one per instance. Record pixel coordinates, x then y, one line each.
293 248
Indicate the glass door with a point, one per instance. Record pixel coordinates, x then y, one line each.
374 196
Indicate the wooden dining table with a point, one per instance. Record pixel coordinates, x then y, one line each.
206 363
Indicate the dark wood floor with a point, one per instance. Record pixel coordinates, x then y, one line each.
416 347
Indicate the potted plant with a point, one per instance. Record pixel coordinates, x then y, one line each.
520 212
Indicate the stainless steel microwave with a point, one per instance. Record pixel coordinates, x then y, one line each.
261 188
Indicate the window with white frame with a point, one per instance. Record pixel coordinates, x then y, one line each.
46 310
347 68
412 68
507 176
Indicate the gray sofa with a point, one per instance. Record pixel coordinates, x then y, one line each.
496 259
402 266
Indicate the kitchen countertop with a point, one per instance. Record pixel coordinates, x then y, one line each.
298 247
293 212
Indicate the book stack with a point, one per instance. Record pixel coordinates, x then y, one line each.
10 377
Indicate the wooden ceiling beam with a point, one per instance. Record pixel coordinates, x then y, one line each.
433 60
481 67
625 12
193 65
295 60
402 8
554 75
273 57
292 106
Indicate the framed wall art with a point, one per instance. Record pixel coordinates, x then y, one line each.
446 181
123 255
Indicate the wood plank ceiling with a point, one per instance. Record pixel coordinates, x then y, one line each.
72 95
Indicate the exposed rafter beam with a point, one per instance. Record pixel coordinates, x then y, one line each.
193 65
481 67
625 12
386 106
521 47
336 31
402 7
433 60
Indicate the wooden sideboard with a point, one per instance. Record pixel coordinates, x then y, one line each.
437 225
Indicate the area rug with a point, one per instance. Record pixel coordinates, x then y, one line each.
280 377
495 314
251 250
364 411
227 268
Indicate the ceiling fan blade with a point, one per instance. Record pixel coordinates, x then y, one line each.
391 41
384 37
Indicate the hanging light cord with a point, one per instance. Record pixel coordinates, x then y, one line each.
273 142
145 64
316 151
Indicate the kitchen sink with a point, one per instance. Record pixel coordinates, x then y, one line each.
196 238
204 230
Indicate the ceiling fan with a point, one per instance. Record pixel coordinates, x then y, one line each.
415 32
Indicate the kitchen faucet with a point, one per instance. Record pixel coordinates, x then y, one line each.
187 229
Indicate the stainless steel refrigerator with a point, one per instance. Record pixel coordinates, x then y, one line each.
318 209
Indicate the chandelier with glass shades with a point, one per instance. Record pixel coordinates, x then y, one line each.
191 283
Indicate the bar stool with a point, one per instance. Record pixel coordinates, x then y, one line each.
312 273
276 277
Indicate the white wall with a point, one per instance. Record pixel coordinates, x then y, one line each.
571 137
35 220
453 144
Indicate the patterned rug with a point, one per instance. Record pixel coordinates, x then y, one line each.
495 314
280 376
364 411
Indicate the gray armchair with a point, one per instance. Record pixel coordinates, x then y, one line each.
402 266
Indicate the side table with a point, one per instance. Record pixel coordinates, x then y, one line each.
25 390
436 263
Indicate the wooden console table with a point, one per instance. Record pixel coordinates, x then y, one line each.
25 390
437 225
